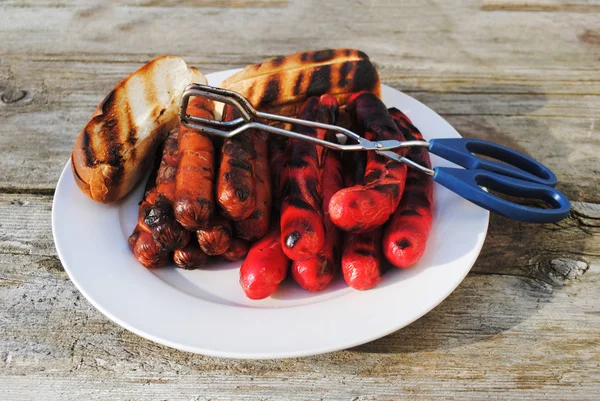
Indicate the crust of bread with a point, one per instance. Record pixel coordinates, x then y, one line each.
115 148
282 84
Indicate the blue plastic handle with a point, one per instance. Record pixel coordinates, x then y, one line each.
468 183
461 151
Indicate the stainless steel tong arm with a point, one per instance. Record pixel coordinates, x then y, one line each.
249 115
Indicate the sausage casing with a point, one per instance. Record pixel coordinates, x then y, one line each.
371 202
237 250
216 238
405 236
257 224
194 181
191 257
265 266
302 227
317 272
147 251
236 185
166 231
361 259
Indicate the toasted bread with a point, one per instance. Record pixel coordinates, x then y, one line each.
117 145
282 84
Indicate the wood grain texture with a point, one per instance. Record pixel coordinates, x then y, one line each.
525 323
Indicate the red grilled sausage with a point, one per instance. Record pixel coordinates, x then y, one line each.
265 266
256 225
317 272
194 180
302 228
369 204
361 259
277 157
406 234
361 252
166 231
236 185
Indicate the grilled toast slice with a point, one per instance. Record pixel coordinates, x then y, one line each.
282 84
115 149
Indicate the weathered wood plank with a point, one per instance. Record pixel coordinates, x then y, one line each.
493 334
541 6
25 225
453 33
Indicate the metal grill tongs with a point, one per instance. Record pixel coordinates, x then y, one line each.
249 116
510 172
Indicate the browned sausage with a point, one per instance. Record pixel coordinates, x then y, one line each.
147 251
191 257
216 238
237 250
144 248
166 231
194 180
256 225
236 185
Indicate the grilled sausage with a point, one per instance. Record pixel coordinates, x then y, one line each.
147 251
166 231
256 225
361 252
361 259
144 248
317 272
194 180
302 228
237 250
277 158
236 184
216 238
191 257
369 205
265 266
406 234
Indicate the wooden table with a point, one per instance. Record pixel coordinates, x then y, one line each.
525 323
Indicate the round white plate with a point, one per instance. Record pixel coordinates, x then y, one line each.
205 311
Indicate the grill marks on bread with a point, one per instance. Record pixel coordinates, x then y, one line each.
291 79
116 145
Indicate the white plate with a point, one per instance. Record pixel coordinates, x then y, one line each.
205 311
